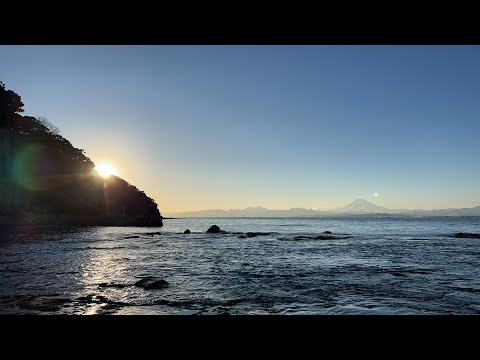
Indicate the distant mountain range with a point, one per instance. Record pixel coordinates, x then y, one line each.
357 208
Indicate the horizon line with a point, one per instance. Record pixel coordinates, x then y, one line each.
317 209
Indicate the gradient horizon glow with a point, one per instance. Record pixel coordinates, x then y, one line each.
208 127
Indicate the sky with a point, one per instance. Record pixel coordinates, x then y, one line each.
209 127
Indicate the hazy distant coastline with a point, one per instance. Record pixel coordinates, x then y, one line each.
357 208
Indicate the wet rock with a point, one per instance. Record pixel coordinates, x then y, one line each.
152 233
252 234
327 232
95 299
37 307
132 237
329 237
111 306
112 285
59 301
255 234
320 237
467 235
186 231
152 283
102 299
325 237
214 229
47 305
87 299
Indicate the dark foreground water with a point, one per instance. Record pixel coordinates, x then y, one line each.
387 266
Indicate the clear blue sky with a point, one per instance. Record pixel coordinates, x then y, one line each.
201 127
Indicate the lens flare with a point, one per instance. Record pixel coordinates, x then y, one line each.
32 168
375 195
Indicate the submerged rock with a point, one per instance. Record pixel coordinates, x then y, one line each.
326 237
99 299
252 234
40 304
187 231
321 237
214 229
92 298
330 237
112 285
467 235
255 234
152 283
327 232
132 237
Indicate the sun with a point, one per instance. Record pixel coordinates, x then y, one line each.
105 170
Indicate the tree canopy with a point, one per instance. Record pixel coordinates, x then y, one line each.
10 104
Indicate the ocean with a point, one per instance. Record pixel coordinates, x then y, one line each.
259 266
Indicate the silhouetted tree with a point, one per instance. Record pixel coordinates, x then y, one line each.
48 125
10 104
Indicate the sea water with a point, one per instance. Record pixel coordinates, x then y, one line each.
375 266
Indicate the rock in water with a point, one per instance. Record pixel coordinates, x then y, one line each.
325 237
467 235
213 229
112 285
327 232
152 283
186 231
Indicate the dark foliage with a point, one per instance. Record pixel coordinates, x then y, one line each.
46 180
10 104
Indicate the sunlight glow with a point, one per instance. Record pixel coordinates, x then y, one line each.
105 170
